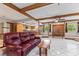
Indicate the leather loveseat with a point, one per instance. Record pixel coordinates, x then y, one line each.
20 43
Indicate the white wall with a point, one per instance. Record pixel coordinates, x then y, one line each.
5 25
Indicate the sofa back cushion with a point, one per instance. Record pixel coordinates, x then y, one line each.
32 35
12 38
24 36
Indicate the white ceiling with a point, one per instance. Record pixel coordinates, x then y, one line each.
54 9
28 21
48 20
9 13
22 5
46 11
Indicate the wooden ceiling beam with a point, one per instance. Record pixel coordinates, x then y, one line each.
19 10
53 17
35 6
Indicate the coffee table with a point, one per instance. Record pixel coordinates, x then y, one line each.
44 47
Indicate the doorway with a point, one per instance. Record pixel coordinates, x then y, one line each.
58 30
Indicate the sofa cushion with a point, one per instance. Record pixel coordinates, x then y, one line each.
31 41
12 38
14 46
34 42
24 39
24 36
32 37
26 47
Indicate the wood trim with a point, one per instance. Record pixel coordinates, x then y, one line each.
35 6
17 9
72 20
63 21
66 15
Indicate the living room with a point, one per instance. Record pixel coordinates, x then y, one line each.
50 29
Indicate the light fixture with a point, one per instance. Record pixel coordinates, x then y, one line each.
24 23
56 21
58 4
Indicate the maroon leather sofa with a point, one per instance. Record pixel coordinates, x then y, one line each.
20 43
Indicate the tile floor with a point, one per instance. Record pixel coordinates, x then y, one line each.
59 47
